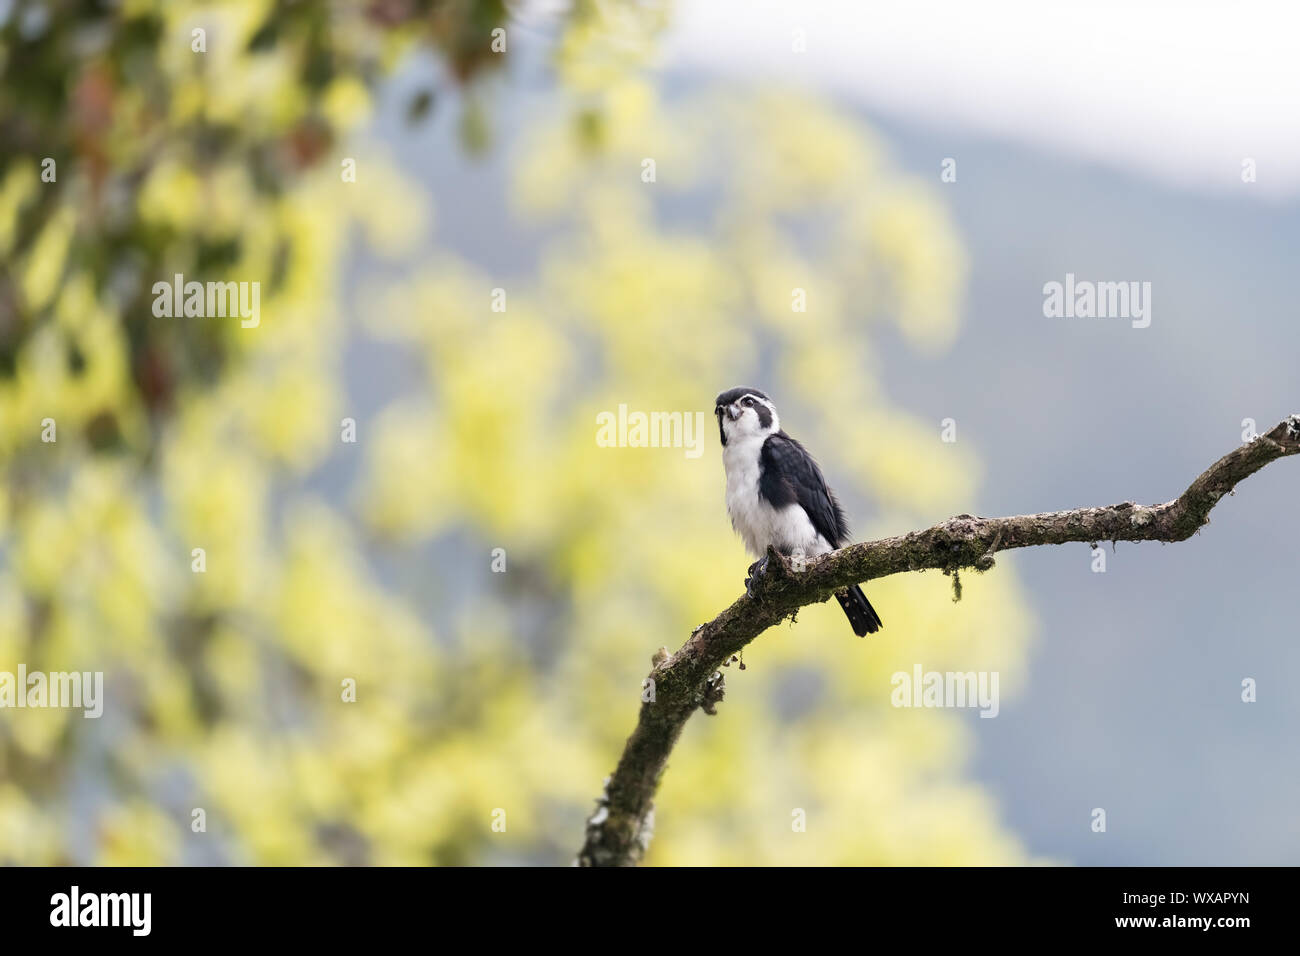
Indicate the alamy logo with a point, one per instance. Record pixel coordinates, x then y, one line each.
950 689
71 689
653 430
103 909
1098 300
213 300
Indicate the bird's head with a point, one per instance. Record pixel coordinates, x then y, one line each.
745 413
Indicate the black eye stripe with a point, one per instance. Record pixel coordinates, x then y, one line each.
748 398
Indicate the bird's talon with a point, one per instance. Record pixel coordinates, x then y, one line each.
756 571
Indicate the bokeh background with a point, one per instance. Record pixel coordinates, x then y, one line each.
794 146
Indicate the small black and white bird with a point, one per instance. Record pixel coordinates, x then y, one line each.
776 495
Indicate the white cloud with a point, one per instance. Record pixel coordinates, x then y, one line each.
1181 92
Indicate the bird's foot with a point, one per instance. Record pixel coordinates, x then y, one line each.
756 571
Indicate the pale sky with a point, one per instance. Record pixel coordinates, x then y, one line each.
1181 92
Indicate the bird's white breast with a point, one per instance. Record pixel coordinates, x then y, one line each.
759 524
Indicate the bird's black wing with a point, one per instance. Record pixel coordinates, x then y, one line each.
789 475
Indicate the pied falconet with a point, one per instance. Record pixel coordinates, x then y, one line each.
776 495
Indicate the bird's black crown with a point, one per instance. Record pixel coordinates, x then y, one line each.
731 394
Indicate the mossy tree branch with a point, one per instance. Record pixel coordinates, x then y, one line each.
619 831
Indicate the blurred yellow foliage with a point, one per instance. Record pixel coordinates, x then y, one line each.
228 689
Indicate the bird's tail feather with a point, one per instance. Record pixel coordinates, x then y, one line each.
859 611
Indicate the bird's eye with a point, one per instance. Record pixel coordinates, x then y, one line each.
749 401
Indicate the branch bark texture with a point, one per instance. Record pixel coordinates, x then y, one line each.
619 831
